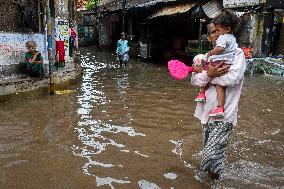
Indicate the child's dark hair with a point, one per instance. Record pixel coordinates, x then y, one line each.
228 18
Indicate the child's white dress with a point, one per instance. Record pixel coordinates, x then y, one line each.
228 42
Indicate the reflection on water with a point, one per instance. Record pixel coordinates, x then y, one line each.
252 172
91 129
170 176
134 128
63 92
144 184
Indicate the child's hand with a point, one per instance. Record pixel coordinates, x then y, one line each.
198 68
199 59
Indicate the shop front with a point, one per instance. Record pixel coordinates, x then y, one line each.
277 49
87 28
174 32
262 32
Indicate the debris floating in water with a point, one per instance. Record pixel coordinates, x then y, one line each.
170 176
64 92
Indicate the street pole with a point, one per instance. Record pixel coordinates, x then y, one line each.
123 4
200 29
49 47
123 21
199 37
267 36
39 16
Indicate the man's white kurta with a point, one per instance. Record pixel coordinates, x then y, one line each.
233 81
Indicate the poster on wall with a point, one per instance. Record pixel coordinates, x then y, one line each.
240 3
62 33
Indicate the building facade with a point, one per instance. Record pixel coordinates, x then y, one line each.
41 21
150 22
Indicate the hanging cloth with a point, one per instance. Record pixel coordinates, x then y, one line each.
60 52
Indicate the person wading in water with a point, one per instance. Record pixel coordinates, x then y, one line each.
216 131
122 50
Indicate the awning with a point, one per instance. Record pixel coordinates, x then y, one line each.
177 9
146 3
212 8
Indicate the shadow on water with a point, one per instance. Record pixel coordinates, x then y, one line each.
134 128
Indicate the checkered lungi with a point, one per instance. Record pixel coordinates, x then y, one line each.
216 138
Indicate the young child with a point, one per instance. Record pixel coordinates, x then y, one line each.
226 24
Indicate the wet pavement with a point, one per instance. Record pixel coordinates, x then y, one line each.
134 128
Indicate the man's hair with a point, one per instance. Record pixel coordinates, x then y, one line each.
122 33
208 27
228 18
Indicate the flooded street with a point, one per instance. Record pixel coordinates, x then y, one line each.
128 128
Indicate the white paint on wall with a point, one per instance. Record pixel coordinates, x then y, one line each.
13 47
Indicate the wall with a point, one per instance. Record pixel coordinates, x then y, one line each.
12 46
104 38
20 19
61 78
245 32
8 15
61 9
62 33
279 49
257 34
19 16
62 24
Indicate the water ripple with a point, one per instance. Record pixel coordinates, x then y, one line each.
94 134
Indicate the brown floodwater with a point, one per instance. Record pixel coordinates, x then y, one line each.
128 128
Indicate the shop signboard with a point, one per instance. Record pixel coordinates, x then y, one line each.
240 3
